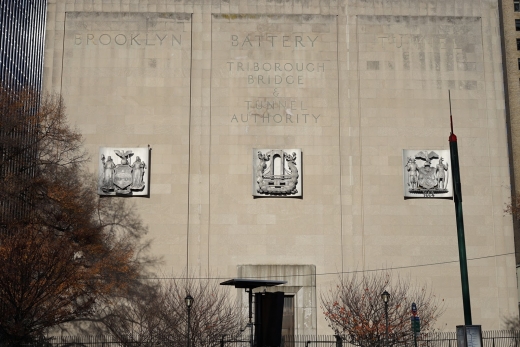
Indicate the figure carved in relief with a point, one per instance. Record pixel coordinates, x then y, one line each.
413 172
441 176
260 169
137 174
293 173
108 173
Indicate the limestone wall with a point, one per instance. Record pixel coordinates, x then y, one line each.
350 83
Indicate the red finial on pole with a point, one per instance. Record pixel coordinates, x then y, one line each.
453 137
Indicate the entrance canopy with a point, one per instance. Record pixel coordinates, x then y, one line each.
250 283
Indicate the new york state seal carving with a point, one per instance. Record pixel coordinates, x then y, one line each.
128 177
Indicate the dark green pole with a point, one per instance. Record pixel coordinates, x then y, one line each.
457 198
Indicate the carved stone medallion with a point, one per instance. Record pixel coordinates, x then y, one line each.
277 172
128 175
427 174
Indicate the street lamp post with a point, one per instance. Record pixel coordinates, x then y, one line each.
386 297
189 302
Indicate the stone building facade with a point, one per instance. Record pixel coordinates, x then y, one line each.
220 90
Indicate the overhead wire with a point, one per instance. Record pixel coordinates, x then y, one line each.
337 272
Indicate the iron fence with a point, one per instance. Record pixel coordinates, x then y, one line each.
497 338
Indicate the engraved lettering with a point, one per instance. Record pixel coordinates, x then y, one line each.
269 66
134 40
90 37
443 43
401 44
276 118
118 42
276 104
312 41
178 40
247 41
274 79
146 40
161 40
285 41
106 42
121 39
382 38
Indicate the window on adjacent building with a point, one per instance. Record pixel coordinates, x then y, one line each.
518 63
516 4
518 44
517 24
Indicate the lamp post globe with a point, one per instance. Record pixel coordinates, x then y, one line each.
385 296
189 302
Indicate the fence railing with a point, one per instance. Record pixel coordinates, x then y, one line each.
497 338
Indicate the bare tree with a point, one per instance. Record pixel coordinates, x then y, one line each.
161 314
64 252
354 308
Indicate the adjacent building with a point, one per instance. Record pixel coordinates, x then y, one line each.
22 41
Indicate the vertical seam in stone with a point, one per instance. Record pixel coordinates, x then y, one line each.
189 151
210 135
339 147
361 210
62 53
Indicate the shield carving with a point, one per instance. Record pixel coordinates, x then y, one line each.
122 176
427 177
